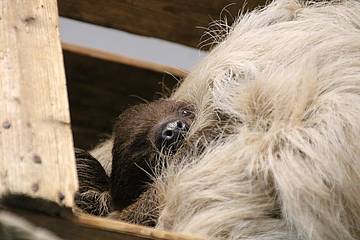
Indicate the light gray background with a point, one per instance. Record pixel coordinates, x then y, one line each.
130 45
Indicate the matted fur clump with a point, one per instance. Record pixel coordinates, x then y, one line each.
278 105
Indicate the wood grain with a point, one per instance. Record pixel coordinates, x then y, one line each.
180 21
36 146
102 85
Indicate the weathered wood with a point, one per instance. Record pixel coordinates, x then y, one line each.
87 227
36 146
101 85
173 20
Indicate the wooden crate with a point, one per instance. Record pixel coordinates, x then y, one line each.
37 166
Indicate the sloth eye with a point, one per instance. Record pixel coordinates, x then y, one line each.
186 113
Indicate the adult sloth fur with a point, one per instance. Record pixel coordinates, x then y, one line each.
280 99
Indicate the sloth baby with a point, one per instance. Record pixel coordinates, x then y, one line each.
142 135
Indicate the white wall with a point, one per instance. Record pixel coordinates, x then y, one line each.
118 42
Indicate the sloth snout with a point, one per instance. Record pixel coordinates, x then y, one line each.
173 131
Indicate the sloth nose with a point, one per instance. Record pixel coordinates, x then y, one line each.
173 131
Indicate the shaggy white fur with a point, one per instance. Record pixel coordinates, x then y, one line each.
287 80
283 92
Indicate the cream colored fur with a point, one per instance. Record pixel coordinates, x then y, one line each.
103 153
282 92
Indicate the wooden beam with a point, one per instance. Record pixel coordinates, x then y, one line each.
180 21
101 85
109 57
81 226
36 147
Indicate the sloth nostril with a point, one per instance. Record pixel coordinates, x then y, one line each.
180 125
172 131
171 134
168 134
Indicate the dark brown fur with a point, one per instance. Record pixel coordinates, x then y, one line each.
138 145
93 196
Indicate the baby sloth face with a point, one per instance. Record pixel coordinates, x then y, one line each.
172 125
141 133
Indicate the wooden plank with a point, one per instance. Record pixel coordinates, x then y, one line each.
81 226
172 20
101 85
36 146
106 56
